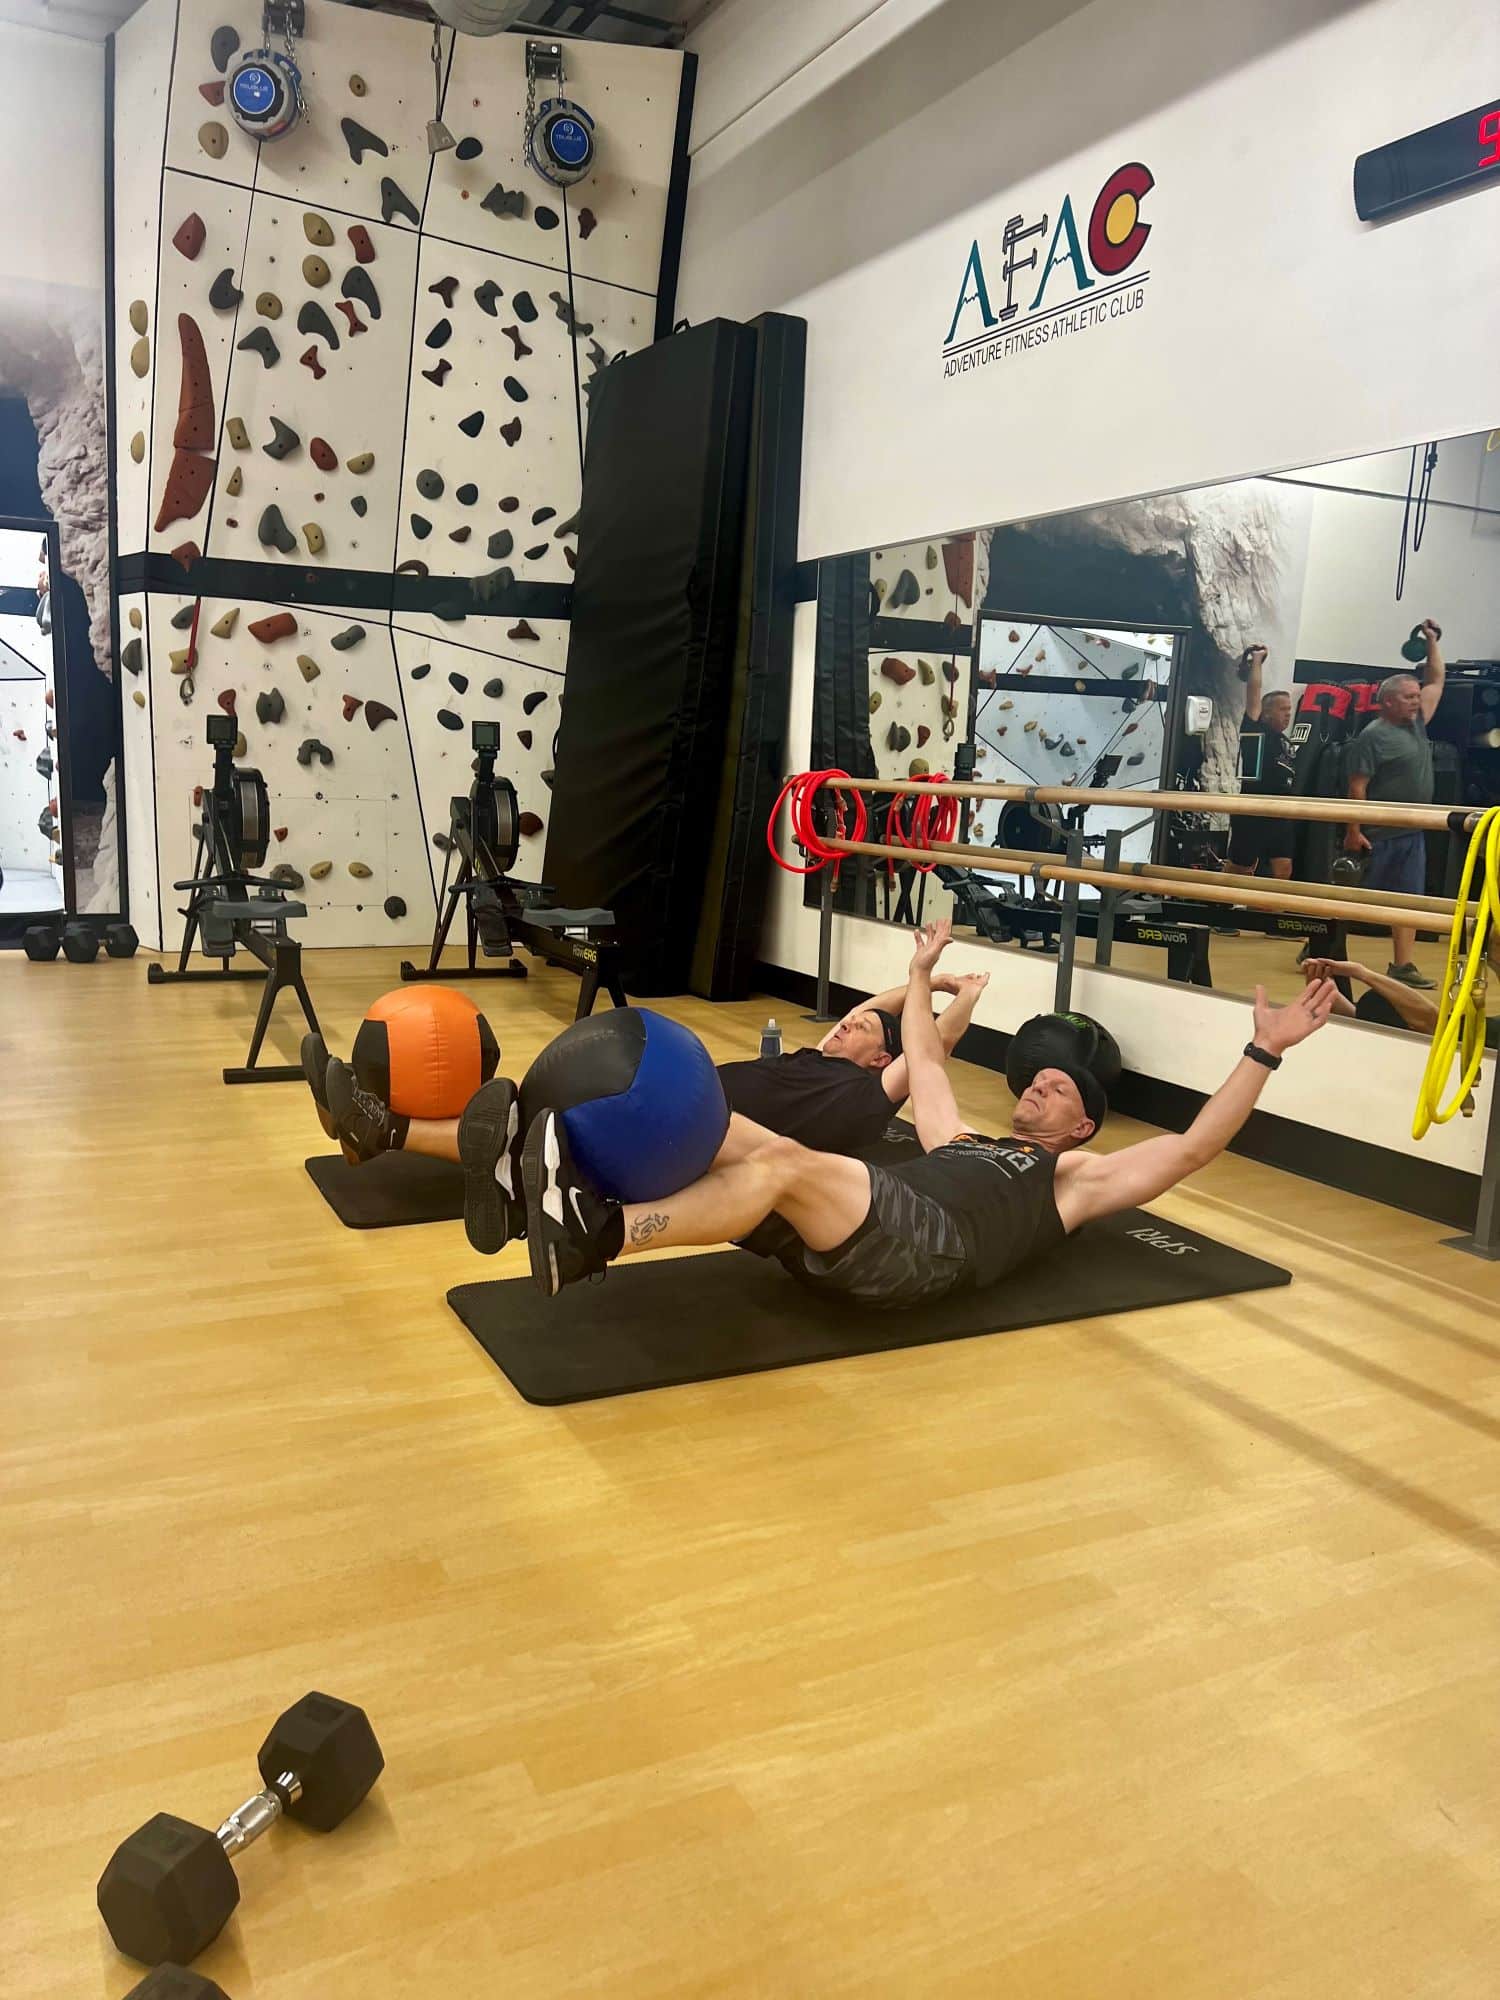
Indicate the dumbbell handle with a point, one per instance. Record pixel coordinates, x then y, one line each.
249 1821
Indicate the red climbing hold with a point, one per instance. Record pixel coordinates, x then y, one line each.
187 487
280 832
281 625
923 732
212 93
195 395
523 737
897 671
347 308
324 457
588 222
310 360
227 700
376 712
364 249
530 823
186 554
189 234
522 631
352 705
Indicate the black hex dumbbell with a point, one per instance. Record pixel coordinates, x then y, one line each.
175 1982
169 1890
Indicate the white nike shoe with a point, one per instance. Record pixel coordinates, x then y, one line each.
567 1222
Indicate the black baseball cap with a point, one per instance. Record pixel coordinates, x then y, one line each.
1089 1088
890 1027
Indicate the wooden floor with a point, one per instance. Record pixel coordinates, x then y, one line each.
1149 1658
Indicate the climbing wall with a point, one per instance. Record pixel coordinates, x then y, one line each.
921 598
352 389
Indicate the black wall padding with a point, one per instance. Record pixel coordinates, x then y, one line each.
841 707
651 647
739 862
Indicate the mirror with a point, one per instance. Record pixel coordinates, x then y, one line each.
31 852
1110 648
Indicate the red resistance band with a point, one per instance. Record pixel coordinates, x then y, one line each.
850 820
928 820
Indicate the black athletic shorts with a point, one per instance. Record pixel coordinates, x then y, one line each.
1253 841
906 1251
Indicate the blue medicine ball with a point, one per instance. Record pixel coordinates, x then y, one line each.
642 1103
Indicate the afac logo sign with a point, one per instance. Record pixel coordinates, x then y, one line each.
1034 295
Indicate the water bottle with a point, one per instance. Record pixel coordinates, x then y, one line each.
770 1038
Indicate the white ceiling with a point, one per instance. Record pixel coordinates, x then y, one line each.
648 21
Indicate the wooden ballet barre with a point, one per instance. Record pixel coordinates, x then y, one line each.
1211 890
1440 906
1364 812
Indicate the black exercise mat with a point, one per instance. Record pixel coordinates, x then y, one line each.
699 1319
391 1190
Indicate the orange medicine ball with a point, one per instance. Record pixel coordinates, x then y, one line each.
425 1050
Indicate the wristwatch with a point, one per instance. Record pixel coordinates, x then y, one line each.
1262 1056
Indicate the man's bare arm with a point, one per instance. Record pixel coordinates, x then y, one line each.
933 1107
1094 1185
1415 1009
951 1024
1354 836
1252 672
1434 673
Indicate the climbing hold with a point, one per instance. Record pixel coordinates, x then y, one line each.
224 294
310 747
500 544
514 389
568 527
487 587
212 93
1026 731
444 289
320 869
509 504
234 430
376 712
130 656
187 487
361 140
222 45
439 375
186 554
547 777
441 842
923 732
273 532
588 222
213 138
535 699
347 308
579 328
310 360
351 635
315 270
138 698
234 483
466 494
135 621
138 446
280 832
312 534
460 534
361 461
323 455
411 567
472 424
950 673
138 316
530 822
140 357
905 591
183 618
430 484
526 307
925 673
364 248
188 236
535 554
501 202
421 527
918 768
394 907
930 560
223 626
227 700
485 296
1067 750
897 738
318 230
394 202
459 683
361 870
545 218
440 334
449 720
511 432
358 284
352 706
280 625
269 706
183 660
259 342
513 334
493 689
468 149
308 667
314 321
542 514
523 737
283 440
360 505
897 671
357 85
1139 757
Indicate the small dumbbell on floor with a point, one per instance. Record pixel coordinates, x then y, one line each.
175 1982
169 1890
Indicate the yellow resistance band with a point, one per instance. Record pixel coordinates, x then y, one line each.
1460 1028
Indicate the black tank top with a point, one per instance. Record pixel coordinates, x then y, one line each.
999 1192
821 1101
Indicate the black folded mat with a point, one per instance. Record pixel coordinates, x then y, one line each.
392 1189
698 1319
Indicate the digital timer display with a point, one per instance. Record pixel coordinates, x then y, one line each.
1460 153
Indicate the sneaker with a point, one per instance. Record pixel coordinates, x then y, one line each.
489 1145
1409 975
568 1225
315 1069
363 1124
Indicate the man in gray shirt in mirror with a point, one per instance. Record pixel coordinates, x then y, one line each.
1391 760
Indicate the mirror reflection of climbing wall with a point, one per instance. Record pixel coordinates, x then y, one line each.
352 387
31 873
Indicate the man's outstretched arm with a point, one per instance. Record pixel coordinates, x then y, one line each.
1094 1185
933 1107
951 1024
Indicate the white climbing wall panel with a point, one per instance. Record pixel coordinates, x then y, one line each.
473 422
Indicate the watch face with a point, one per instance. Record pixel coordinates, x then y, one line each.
255 91
569 142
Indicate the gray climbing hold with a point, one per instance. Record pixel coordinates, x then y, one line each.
421 527
273 532
897 738
360 505
394 907
421 673
130 656
525 305
361 140
182 619
430 484
579 328
441 334
449 720
358 284
494 689
310 747
459 683
224 294
394 202
534 701
223 46
468 149
542 514
286 875
500 544
466 494
472 424
502 202
312 320
284 440
906 590
514 389
269 706
485 296
523 737
350 636
492 584
568 527
260 342
544 217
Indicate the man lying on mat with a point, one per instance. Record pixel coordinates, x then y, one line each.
840 1095
967 1213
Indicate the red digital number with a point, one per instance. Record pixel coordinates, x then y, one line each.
1489 135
